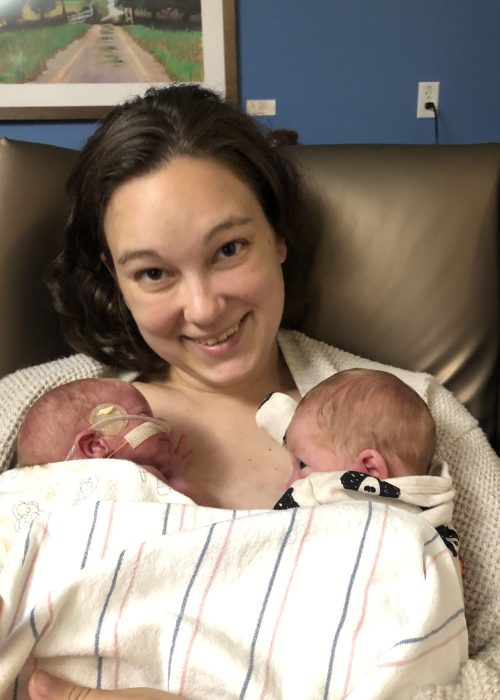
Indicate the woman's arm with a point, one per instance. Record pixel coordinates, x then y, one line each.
43 686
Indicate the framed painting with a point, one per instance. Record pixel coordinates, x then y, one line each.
75 59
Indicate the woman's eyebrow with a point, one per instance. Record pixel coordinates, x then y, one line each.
226 225
129 255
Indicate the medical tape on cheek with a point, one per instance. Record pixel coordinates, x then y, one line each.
142 432
108 417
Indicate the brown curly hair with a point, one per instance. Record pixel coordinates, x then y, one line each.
138 138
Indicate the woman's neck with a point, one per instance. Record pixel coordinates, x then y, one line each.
275 376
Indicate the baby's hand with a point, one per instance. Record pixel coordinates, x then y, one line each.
177 459
43 686
178 456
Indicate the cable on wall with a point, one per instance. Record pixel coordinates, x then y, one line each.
431 105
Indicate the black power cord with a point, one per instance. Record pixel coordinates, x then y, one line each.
431 105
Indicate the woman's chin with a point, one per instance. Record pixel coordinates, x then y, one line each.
235 362
236 372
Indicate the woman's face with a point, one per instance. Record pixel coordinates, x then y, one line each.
199 268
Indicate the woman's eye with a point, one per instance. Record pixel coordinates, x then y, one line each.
151 274
229 249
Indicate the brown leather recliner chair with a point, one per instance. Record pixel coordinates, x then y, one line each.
406 270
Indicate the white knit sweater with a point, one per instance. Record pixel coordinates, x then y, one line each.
474 467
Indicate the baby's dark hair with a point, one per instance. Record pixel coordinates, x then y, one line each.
364 408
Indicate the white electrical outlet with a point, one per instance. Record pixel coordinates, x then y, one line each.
427 92
261 108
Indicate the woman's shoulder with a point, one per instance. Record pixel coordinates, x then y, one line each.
310 361
26 384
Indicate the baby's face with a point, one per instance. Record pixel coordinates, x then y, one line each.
152 450
310 447
139 444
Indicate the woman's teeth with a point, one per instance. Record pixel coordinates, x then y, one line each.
220 338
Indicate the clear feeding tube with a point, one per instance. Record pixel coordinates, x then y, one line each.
148 427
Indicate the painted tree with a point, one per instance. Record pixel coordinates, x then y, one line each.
42 7
11 11
187 7
154 6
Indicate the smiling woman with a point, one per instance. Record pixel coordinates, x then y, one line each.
203 281
126 202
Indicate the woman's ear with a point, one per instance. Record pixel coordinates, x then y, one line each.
105 261
371 462
91 444
281 249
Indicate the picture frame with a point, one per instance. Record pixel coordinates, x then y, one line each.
93 100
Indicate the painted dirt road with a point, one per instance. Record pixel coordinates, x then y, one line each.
106 54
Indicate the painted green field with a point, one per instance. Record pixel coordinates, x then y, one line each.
180 53
23 54
71 6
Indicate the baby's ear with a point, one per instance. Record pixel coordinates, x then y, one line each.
274 415
371 462
91 444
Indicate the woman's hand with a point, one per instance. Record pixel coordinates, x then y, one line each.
43 686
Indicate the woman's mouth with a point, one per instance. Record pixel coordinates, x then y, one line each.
217 340
218 346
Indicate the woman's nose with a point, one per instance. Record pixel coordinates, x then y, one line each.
202 302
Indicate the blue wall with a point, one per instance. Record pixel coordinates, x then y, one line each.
346 71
